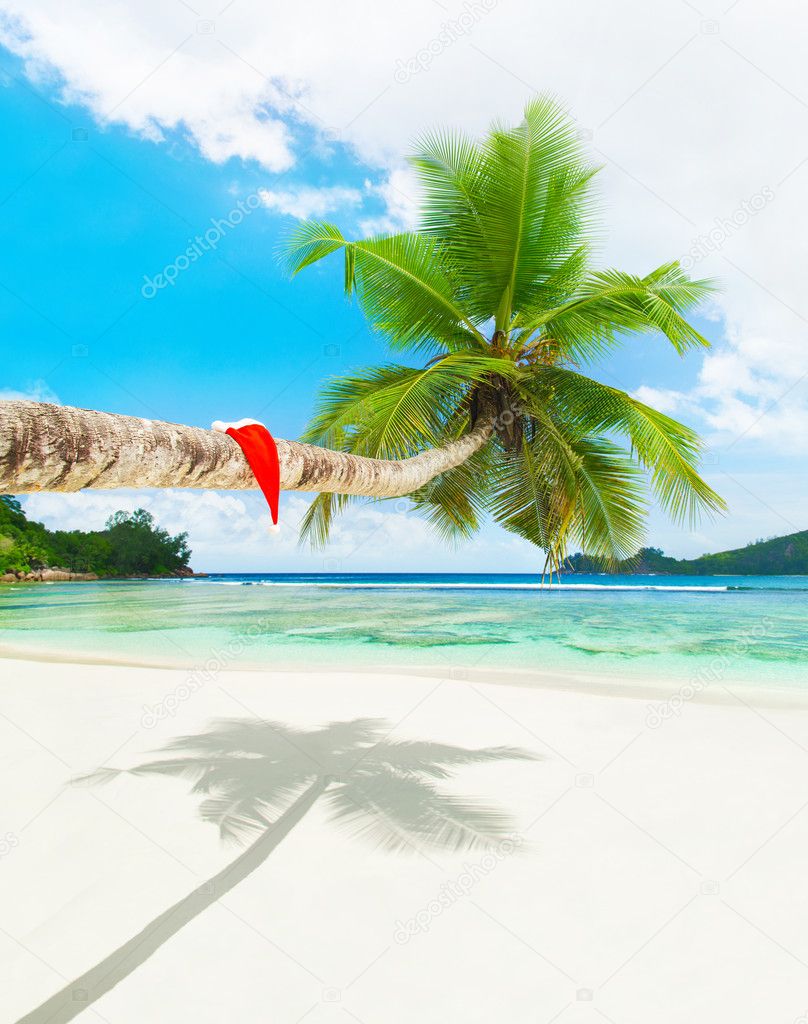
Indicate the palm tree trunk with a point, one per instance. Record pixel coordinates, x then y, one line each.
84 990
47 447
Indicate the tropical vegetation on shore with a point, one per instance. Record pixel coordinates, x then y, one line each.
778 556
131 544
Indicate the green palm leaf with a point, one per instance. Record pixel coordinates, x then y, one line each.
315 526
611 303
669 450
560 490
452 174
404 284
455 503
311 240
394 411
406 290
611 507
535 203
529 494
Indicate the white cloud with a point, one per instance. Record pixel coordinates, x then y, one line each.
35 391
305 201
144 67
206 512
229 532
399 192
741 395
667 400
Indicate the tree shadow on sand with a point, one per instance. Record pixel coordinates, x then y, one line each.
259 779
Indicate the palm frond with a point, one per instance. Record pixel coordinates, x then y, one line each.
667 449
406 288
404 284
536 200
511 209
611 503
455 503
534 491
315 526
310 241
611 303
562 489
394 411
452 173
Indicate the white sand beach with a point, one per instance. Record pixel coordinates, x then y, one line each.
655 873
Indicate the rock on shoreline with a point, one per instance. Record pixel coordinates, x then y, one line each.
47 576
57 575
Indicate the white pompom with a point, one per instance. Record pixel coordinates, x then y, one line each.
274 528
219 426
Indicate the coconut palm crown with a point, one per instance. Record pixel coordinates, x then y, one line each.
496 297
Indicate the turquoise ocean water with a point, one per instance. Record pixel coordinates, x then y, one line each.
746 629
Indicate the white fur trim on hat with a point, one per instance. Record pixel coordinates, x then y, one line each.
221 427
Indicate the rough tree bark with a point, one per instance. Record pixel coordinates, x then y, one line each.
47 447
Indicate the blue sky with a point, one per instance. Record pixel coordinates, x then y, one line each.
93 206
95 213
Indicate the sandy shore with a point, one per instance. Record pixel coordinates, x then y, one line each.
654 870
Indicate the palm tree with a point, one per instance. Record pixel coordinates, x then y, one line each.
259 778
496 297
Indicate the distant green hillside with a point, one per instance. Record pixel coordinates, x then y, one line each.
781 556
130 545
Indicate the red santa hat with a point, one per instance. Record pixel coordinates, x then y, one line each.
261 453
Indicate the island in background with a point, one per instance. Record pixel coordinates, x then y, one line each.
130 545
778 556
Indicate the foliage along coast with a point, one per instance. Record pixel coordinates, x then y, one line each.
130 545
778 556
